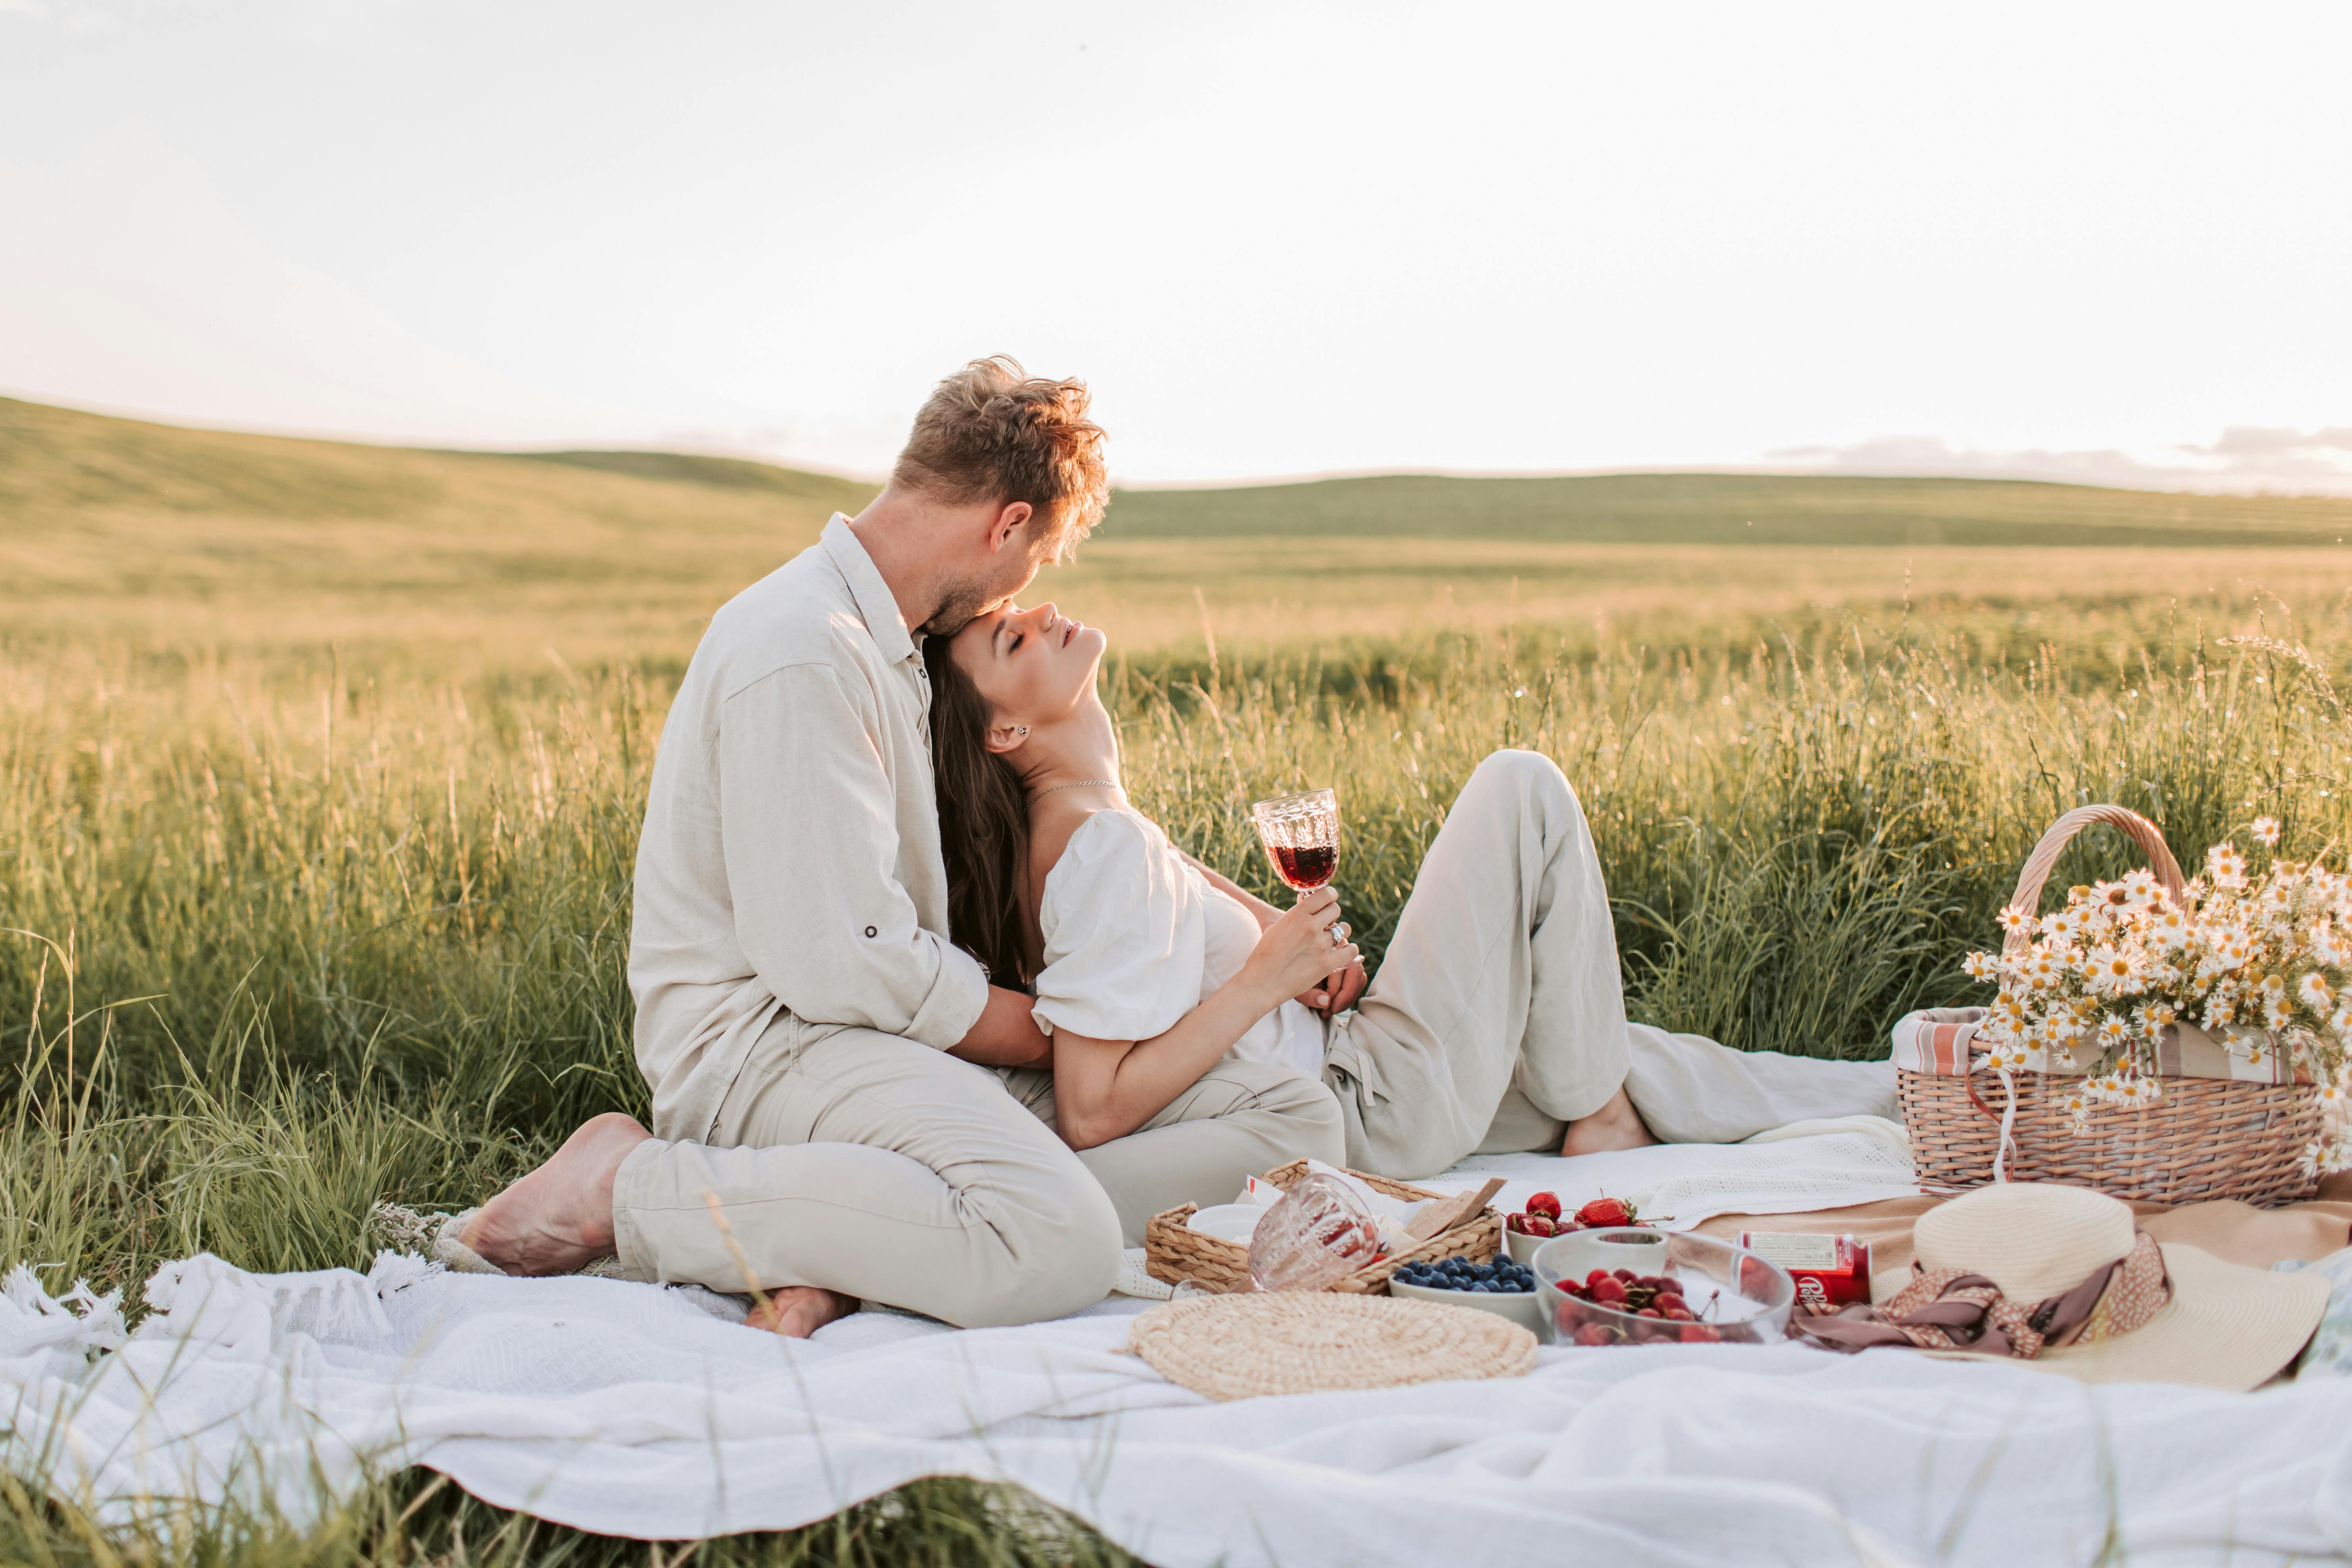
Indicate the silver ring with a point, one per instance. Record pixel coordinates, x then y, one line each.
1340 931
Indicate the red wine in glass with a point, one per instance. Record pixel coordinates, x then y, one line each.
1301 836
1305 866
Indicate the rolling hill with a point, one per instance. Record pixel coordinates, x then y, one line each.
144 534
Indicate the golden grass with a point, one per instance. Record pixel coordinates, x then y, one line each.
330 860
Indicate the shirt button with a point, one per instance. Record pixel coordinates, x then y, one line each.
870 931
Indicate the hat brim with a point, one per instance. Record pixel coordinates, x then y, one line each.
2226 1327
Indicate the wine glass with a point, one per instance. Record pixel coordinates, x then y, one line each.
1301 835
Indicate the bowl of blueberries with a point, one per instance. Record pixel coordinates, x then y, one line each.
1497 1285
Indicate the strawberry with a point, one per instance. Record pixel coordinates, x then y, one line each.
1534 1224
1546 1204
1606 1212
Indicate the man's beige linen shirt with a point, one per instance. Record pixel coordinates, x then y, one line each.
790 875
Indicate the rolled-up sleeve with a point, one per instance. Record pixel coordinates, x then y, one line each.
811 851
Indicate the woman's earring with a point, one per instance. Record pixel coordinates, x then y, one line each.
1024 729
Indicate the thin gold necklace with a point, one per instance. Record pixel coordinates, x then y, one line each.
1078 784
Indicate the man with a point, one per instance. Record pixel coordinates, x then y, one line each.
825 1124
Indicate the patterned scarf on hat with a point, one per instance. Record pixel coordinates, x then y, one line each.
1953 1310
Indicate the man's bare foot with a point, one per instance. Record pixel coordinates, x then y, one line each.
1616 1125
796 1311
561 1215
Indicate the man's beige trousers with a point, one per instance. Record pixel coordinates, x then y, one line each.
876 1166
1497 1016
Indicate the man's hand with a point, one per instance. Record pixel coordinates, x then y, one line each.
1338 993
1006 1035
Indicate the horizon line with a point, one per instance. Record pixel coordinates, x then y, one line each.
2188 485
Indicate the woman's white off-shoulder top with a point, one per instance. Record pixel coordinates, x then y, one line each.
1136 938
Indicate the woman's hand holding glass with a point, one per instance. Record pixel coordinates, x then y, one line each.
1306 946
1300 834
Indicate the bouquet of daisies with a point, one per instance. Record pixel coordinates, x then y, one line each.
2259 961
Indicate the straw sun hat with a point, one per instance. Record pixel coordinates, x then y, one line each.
2005 1265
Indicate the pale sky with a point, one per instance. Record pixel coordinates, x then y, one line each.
2111 241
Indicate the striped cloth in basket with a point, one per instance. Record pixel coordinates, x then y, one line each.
1943 1040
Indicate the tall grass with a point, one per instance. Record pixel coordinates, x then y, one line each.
289 938
304 938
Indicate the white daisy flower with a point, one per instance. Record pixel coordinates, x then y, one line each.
2111 973
2266 829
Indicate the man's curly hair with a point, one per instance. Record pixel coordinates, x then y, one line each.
993 432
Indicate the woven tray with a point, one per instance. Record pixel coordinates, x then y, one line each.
1172 1253
2206 1138
1240 1347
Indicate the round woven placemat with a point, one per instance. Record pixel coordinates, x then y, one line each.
1237 1347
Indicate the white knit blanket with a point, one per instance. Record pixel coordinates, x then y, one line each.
626 1409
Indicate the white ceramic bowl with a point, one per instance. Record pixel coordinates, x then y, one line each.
1523 1246
1527 1311
1227 1222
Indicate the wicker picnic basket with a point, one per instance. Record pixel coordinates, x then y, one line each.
1173 1253
2206 1138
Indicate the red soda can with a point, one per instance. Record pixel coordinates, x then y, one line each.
1830 1271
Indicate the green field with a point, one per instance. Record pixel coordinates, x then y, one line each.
120 535
321 766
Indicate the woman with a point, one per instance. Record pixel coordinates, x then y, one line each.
1495 1023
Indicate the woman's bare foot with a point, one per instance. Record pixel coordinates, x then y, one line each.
561 1215
796 1311
1616 1125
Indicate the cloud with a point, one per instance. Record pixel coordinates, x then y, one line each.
2245 441
2246 458
23 8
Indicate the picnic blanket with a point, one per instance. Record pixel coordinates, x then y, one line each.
628 1409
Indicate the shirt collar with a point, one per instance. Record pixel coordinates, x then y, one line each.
875 602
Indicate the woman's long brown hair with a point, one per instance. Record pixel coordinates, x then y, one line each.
983 826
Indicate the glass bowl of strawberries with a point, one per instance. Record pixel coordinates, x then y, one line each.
1543 1218
1630 1286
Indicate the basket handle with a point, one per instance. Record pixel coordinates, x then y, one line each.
2032 877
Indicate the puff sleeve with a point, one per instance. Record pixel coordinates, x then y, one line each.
1123 928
